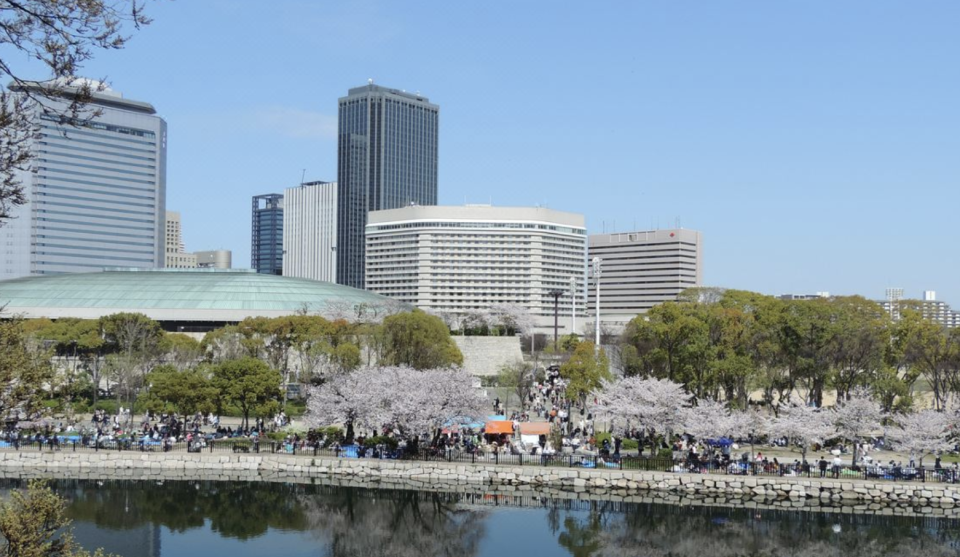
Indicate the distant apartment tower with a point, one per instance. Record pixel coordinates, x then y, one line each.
929 307
465 258
97 198
310 231
386 158
266 247
642 269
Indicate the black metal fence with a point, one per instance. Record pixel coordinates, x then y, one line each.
613 462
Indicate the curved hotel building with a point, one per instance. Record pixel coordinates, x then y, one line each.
456 259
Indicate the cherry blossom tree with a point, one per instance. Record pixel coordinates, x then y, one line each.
656 406
857 416
710 419
922 433
409 401
803 425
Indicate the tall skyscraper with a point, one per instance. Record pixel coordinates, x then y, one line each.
386 159
98 196
642 269
310 231
266 246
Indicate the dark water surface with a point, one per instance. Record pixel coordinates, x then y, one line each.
239 519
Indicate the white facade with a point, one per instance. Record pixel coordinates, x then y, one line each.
97 198
310 231
465 258
643 269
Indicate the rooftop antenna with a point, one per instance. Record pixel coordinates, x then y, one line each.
303 176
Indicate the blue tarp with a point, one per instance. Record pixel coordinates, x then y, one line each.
722 442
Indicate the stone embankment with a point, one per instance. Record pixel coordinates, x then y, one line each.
612 485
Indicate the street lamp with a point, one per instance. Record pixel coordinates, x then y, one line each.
556 293
573 306
597 264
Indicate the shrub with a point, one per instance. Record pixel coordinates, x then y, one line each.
665 453
603 436
630 445
108 406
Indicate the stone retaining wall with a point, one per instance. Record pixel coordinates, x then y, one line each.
862 496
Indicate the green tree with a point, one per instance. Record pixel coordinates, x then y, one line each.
23 373
186 391
420 341
250 384
585 371
179 350
34 524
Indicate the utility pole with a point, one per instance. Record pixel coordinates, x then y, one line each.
573 307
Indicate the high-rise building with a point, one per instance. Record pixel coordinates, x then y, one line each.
642 269
177 256
387 158
465 258
97 198
266 247
310 231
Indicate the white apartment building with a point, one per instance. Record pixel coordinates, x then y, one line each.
310 231
97 198
642 269
929 307
457 259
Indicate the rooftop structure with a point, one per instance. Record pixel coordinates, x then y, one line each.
182 299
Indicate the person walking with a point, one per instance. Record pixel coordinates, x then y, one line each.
823 466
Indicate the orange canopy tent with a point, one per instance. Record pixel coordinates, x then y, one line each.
535 428
497 427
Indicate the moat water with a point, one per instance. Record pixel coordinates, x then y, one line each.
240 519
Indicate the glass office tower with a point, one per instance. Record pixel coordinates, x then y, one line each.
98 196
266 246
387 158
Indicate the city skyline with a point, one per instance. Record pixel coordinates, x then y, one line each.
811 144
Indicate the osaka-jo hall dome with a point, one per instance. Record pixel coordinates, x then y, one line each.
183 299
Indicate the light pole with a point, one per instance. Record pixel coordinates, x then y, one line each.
573 307
597 270
556 293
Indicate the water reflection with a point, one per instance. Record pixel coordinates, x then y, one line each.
349 522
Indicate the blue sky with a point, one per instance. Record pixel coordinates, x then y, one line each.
816 144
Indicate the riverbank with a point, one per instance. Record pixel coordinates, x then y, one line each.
930 499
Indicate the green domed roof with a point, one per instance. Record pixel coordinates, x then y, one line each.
179 295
